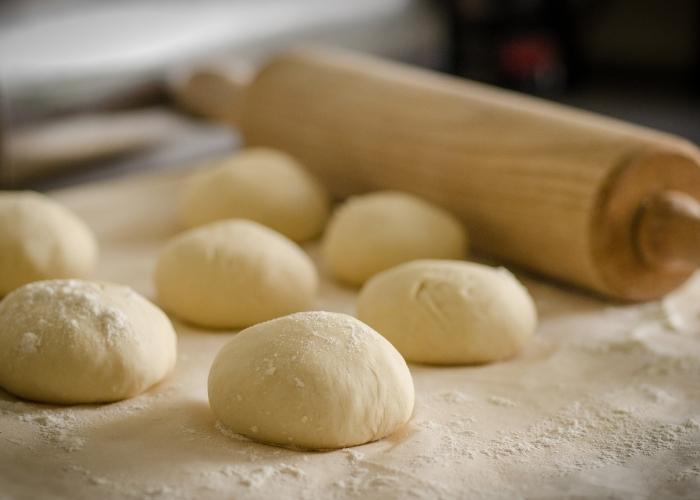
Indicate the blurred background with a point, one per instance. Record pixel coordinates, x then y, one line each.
93 89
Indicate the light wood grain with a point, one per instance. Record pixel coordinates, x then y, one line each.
544 186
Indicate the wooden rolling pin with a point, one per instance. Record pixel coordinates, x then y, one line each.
585 199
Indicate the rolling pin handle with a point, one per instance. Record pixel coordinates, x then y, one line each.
215 91
668 230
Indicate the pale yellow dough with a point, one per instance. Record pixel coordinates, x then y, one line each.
317 380
449 312
73 341
373 232
232 274
264 185
40 239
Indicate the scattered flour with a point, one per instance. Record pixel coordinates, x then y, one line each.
64 427
114 323
127 488
656 394
670 317
453 397
374 480
354 456
500 401
229 433
649 350
601 435
689 473
29 343
58 428
257 477
72 303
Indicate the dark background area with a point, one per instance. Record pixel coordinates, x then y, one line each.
638 60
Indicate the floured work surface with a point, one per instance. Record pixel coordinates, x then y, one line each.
605 402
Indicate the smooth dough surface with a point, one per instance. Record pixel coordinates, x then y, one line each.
315 380
449 312
264 185
234 273
72 341
373 232
40 240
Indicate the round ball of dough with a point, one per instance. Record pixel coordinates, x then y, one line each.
263 185
234 273
374 232
39 240
72 341
316 380
449 312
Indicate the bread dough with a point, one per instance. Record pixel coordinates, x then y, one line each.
374 232
316 380
39 240
263 185
72 341
234 273
449 312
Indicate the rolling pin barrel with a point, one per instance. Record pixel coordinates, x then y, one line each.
547 187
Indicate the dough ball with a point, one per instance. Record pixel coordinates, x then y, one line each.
263 185
39 240
72 341
316 380
234 273
449 312
374 232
